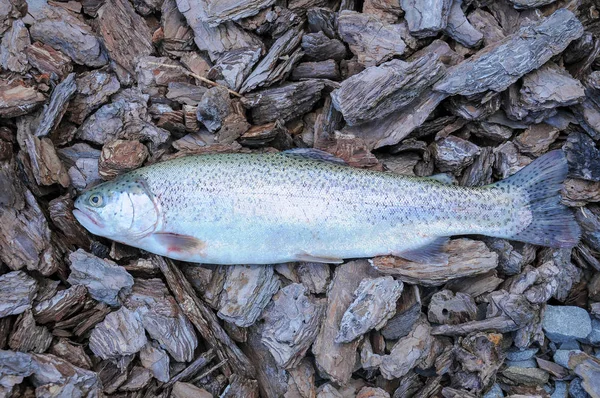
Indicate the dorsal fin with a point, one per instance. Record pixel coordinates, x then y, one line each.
443 178
314 154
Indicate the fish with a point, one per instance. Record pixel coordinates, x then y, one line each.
307 205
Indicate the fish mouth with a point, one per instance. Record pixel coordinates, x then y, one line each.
83 216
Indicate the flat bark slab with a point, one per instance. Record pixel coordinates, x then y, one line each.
381 90
465 258
426 18
18 291
121 333
18 99
221 11
530 48
12 47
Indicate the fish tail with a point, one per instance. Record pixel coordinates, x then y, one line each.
551 223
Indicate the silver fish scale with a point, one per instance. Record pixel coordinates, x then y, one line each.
278 208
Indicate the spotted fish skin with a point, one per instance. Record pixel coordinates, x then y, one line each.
273 208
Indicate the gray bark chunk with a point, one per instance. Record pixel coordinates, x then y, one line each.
426 18
213 108
234 67
321 19
529 48
187 390
460 29
318 47
162 318
121 27
371 40
64 32
381 90
314 276
178 36
374 304
17 291
121 333
29 337
82 162
61 305
524 376
12 48
398 125
291 324
246 292
52 113
266 72
185 93
215 40
156 360
17 99
447 308
93 90
465 258
316 70
139 378
454 154
485 23
103 278
48 60
479 173
566 323
336 361
126 117
9 10
583 157
445 54
301 382
27 242
150 75
285 102
404 355
408 311
549 87
522 4
220 11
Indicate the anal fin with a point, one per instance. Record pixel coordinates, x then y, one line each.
309 258
430 253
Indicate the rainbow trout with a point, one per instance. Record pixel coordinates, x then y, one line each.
303 205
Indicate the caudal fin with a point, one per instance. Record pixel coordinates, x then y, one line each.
553 224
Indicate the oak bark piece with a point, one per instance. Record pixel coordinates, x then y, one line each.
10 10
319 47
408 311
94 88
177 36
204 319
291 324
61 305
72 353
465 258
48 60
387 10
82 163
404 355
316 70
371 40
537 139
126 117
104 279
162 318
549 87
120 156
220 11
187 390
529 48
215 40
27 242
246 292
454 154
374 304
381 90
447 308
138 378
578 193
156 360
17 99
185 93
336 361
479 173
29 337
125 34
234 67
17 291
301 382
121 333
398 125
12 47
52 113
285 102
485 23
460 29
266 72
426 18
151 73
63 31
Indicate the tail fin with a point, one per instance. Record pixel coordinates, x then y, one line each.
553 224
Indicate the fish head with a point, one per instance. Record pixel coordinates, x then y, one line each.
122 209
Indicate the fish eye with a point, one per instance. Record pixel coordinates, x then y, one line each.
96 200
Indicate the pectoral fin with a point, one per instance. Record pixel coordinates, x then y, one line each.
430 253
180 243
315 259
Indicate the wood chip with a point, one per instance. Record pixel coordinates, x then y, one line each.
28 337
426 18
121 333
17 291
120 156
18 99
